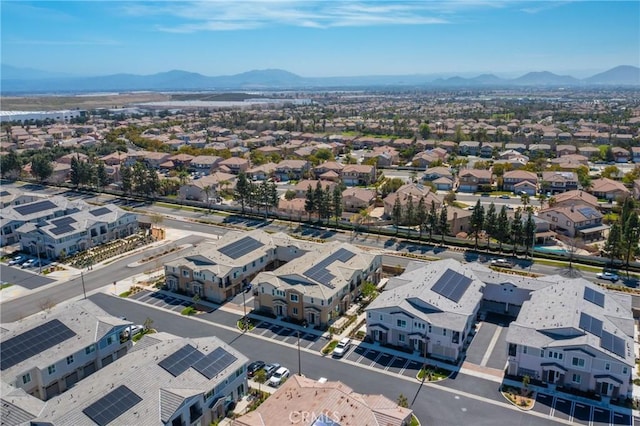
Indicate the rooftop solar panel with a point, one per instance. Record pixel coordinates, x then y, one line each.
4 193
99 212
452 285
37 207
212 364
112 405
319 271
612 343
59 230
241 247
590 324
25 345
63 221
181 360
588 212
594 296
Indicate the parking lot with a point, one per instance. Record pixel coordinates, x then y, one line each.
27 278
162 300
488 345
579 412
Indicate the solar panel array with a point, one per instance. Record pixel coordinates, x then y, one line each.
241 247
320 273
4 193
181 360
452 285
112 405
594 296
37 207
589 212
100 211
590 324
37 340
213 363
612 343
62 225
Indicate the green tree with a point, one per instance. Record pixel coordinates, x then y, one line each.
613 246
102 179
242 191
503 227
396 213
336 202
490 223
369 290
583 176
10 164
450 198
126 175
409 214
630 238
421 216
402 401
608 155
41 167
443 224
432 219
290 195
610 172
516 230
310 202
75 173
477 221
529 234
425 131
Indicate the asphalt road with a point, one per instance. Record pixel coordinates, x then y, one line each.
436 404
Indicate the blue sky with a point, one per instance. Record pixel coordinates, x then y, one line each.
321 38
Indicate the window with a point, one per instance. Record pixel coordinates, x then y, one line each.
26 378
401 337
110 339
625 370
295 311
524 349
429 328
51 369
577 362
444 331
70 359
401 323
380 317
293 297
576 378
185 273
90 349
541 353
607 366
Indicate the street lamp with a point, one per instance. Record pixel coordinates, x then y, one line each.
424 367
299 365
244 307
83 288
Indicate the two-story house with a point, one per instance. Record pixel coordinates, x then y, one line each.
355 199
580 220
469 148
302 186
204 164
235 165
520 181
207 188
411 193
358 175
608 189
431 308
574 334
635 154
292 169
472 180
556 182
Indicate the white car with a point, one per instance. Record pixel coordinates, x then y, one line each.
608 276
279 377
342 347
29 263
502 263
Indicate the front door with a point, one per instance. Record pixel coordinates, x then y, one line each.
279 310
551 376
604 388
312 318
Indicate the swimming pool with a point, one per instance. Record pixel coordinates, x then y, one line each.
550 250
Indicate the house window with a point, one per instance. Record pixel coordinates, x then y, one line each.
577 362
524 349
625 370
293 297
26 378
110 339
401 337
607 366
401 323
70 359
541 353
380 317
185 273
51 369
429 328
576 378
444 331
295 311
90 349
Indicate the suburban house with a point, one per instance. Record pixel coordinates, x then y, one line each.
15 197
540 150
49 352
556 182
207 187
163 380
302 186
472 180
575 334
635 154
154 159
218 270
181 160
355 199
235 164
514 179
433 173
562 150
572 198
488 148
469 148
385 156
608 189
204 164
580 220
431 308
262 172
425 159
459 220
620 154
317 403
328 166
358 175
291 169
413 192
78 231
319 286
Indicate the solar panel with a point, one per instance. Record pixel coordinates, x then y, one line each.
594 296
100 211
319 271
63 221
62 230
37 207
112 405
25 345
612 343
181 360
212 364
590 324
452 285
588 212
241 247
4 193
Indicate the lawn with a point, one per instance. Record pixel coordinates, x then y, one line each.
330 347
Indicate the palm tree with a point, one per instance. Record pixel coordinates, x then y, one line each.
365 217
542 198
525 199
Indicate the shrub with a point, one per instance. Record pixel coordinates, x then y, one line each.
189 310
330 347
125 294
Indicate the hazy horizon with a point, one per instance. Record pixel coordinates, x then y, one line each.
507 38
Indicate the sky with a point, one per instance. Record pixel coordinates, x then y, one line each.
321 38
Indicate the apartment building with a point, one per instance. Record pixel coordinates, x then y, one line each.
431 308
319 286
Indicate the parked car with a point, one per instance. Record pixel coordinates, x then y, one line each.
485 194
29 263
505 197
342 347
608 276
247 287
502 263
254 367
135 329
279 377
269 369
18 260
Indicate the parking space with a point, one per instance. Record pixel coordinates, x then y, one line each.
161 300
27 278
579 412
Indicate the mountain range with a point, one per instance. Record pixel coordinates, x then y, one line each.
24 80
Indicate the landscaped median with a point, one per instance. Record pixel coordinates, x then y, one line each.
329 347
522 398
432 373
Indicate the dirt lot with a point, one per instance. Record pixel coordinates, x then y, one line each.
44 103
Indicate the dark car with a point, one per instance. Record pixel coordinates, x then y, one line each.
254 367
269 369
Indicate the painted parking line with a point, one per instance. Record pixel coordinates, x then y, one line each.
381 360
411 369
390 363
622 419
582 413
404 366
366 351
563 408
601 416
349 351
377 357
553 407
357 354
397 365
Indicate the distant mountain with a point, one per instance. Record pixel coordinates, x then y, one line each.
11 72
16 80
545 78
624 74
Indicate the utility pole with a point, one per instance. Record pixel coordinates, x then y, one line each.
424 368
83 288
299 364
